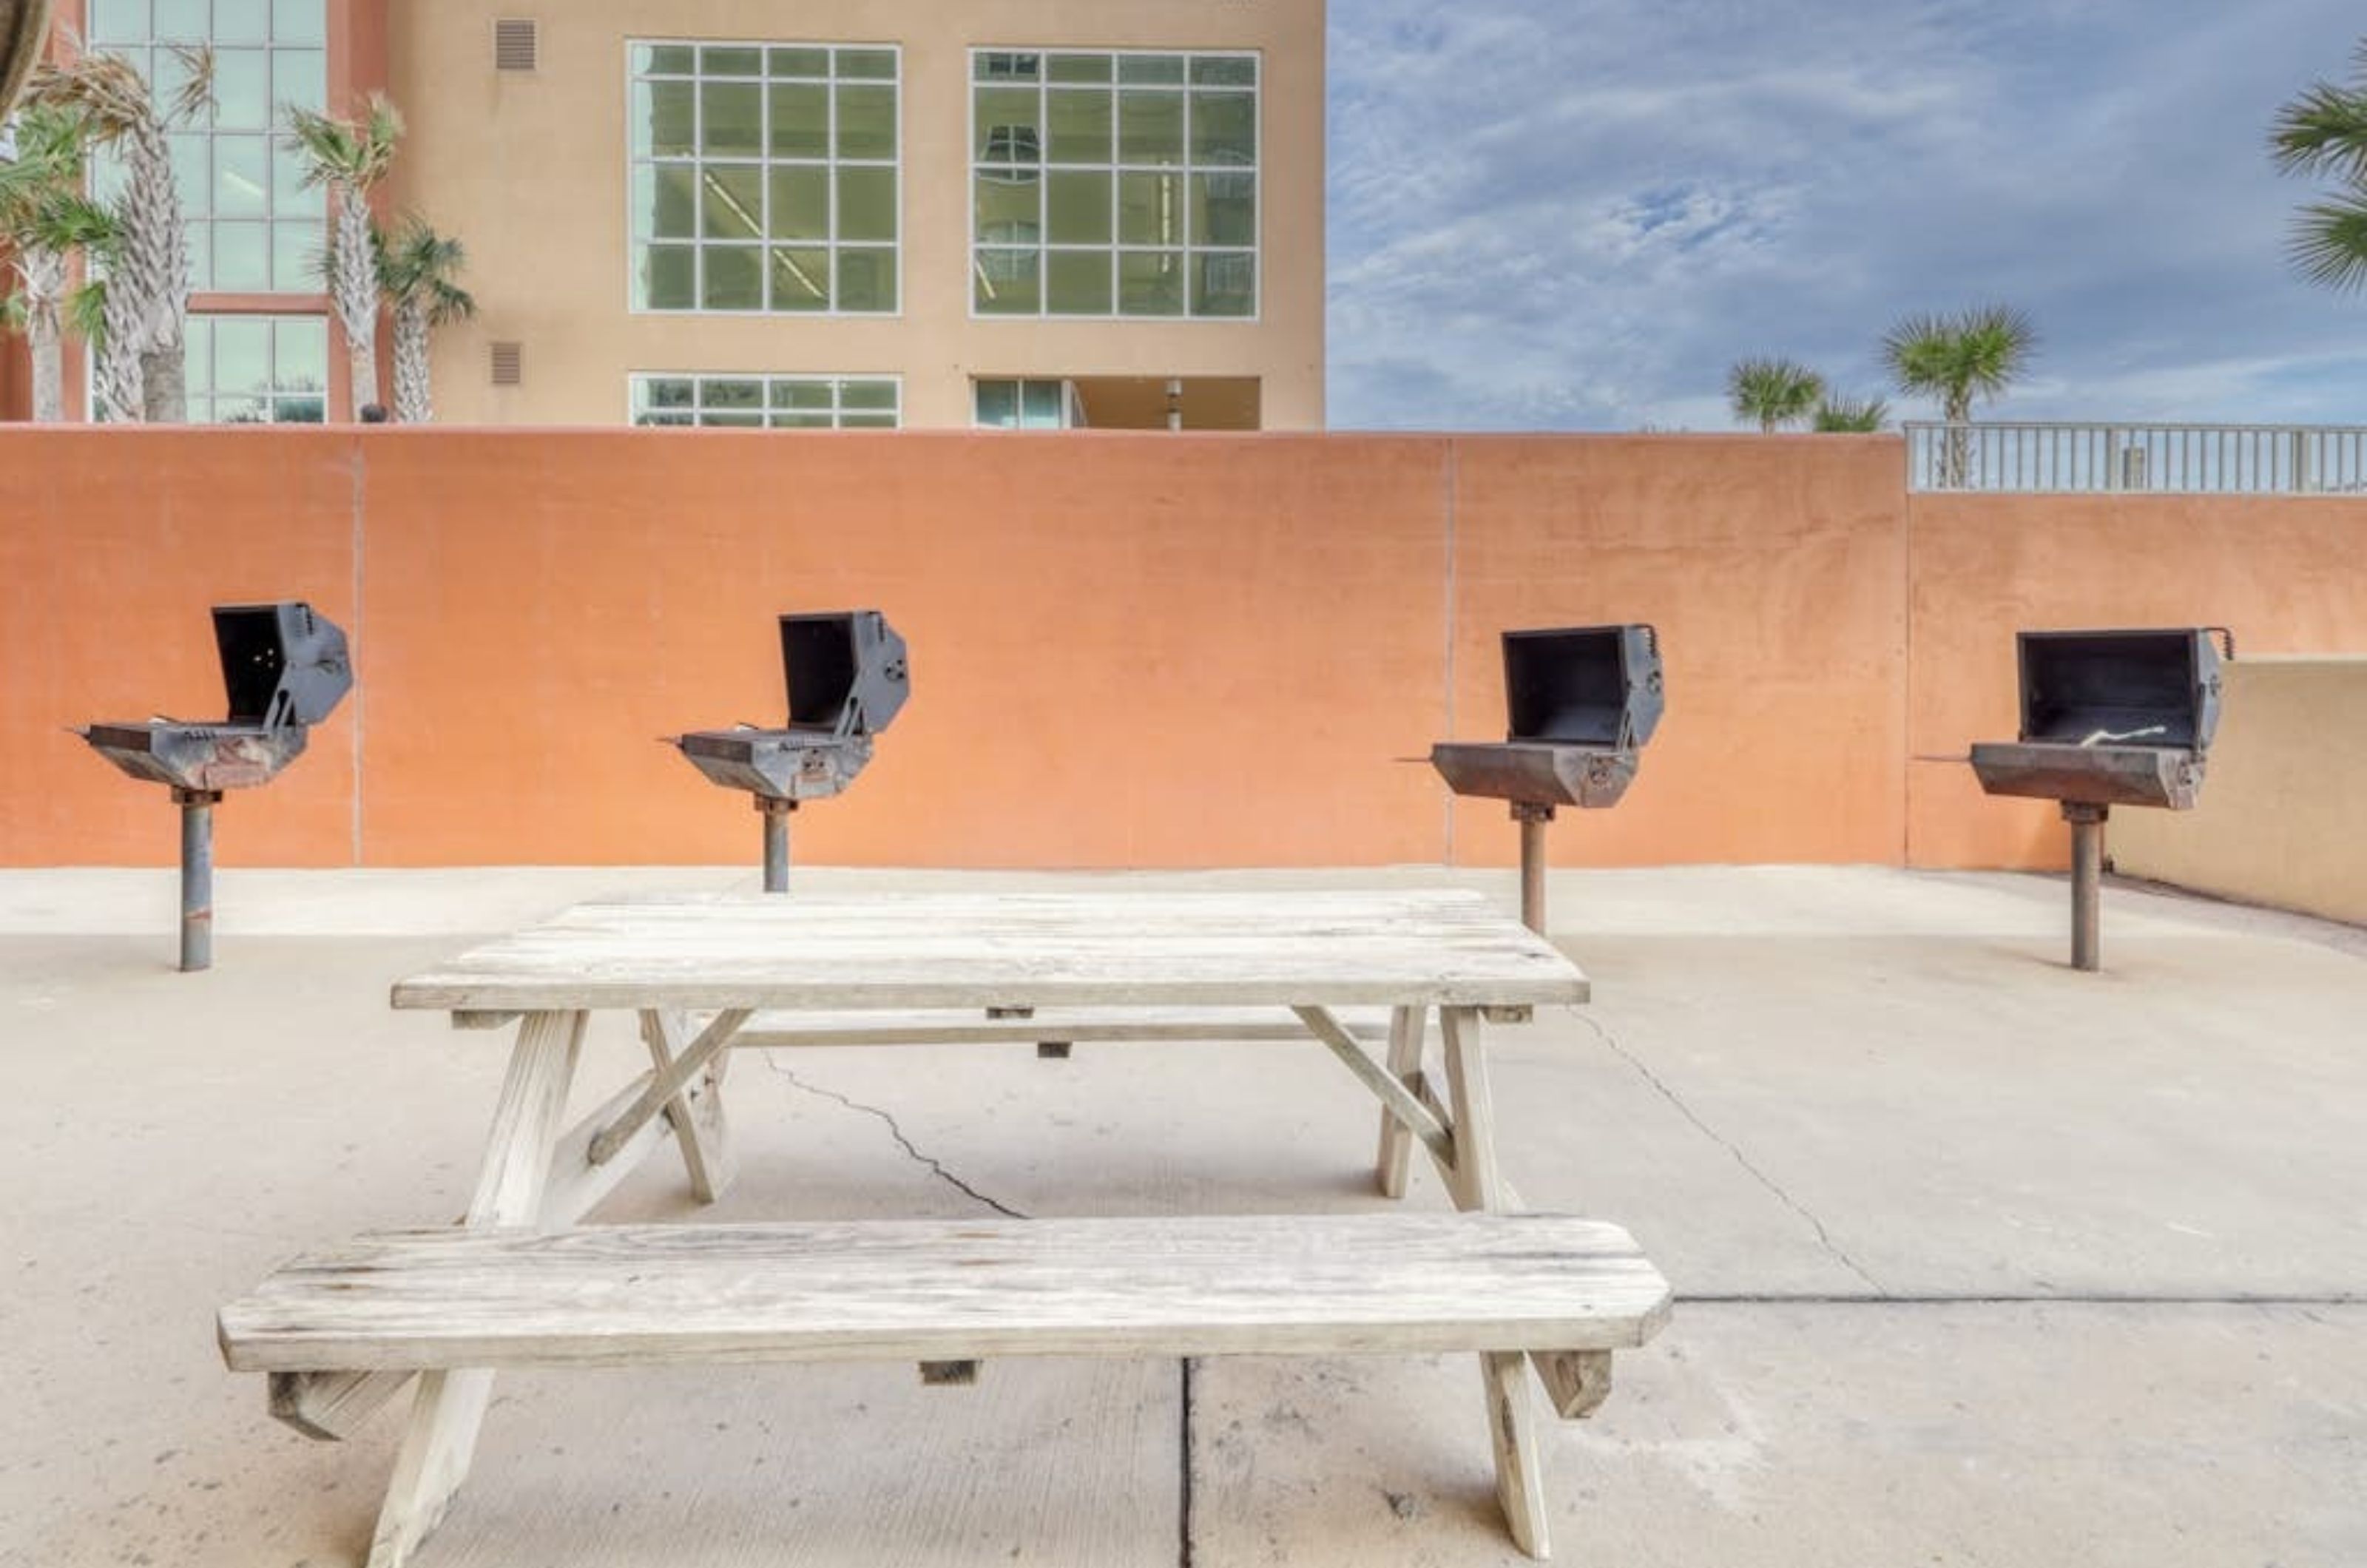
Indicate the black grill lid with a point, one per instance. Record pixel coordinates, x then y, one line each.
1584 685
2121 688
847 671
283 664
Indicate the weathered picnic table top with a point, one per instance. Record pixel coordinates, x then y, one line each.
1328 949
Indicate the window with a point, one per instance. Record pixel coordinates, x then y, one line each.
258 370
1113 185
775 403
765 179
1026 405
253 227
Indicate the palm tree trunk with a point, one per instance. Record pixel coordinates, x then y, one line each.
152 274
115 395
1958 466
45 276
164 386
414 398
354 274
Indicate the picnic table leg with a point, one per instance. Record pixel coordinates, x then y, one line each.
1478 1185
1408 1028
450 1405
697 1111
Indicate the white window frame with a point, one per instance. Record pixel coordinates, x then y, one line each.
638 380
1116 167
765 163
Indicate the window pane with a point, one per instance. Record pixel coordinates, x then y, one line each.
671 392
119 21
808 396
298 253
1225 70
866 280
1150 284
1008 214
801 202
732 277
733 119
665 60
313 409
867 204
1151 210
1164 69
242 176
242 353
731 62
200 236
801 122
866 122
188 150
1224 128
665 118
867 421
1039 405
867 395
183 21
1077 208
1224 284
298 76
242 89
800 277
242 21
730 394
867 64
732 202
1150 128
1010 283
1079 68
242 411
802 421
666 201
803 64
1010 67
198 355
732 421
1077 129
289 197
300 21
242 258
1009 128
1224 209
1078 283
299 354
670 278
997 405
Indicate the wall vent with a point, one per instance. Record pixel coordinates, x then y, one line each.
509 364
516 44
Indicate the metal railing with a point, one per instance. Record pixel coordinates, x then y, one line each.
2157 459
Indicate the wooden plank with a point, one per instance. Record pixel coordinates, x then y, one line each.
1408 1026
1067 1026
1512 1430
668 1084
949 1290
1397 1099
1577 1382
1013 950
696 1113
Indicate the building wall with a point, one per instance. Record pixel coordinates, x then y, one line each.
1129 651
530 172
2283 815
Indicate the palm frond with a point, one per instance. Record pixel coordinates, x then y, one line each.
193 97
1773 392
355 154
87 313
2329 242
2323 131
1843 415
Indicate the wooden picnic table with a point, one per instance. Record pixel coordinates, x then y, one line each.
342 1331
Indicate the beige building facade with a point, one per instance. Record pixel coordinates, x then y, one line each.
872 212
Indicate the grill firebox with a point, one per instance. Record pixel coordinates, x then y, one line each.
2108 719
1581 703
285 669
848 677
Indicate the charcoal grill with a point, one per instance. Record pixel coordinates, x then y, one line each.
1583 701
285 669
848 677
2108 719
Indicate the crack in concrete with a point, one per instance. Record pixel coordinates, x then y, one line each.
1184 1503
935 1166
1769 1183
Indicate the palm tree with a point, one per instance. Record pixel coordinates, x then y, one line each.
2324 132
418 268
140 372
1844 416
1977 353
44 220
351 157
24 33
1775 392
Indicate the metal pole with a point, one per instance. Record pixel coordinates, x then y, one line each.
2086 884
777 842
1532 820
197 878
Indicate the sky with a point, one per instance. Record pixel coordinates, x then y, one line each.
1578 214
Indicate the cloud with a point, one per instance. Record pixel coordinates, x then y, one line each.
1546 215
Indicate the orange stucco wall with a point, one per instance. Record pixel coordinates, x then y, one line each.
1129 651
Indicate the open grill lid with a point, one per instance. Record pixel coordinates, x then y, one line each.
2156 688
283 664
1584 685
847 671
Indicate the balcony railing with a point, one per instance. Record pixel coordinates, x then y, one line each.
2154 459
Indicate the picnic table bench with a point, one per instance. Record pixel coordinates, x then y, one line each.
519 1282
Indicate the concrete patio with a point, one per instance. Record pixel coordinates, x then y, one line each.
1980 1261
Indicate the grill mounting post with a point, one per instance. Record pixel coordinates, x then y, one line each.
1533 816
777 842
2087 883
196 876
